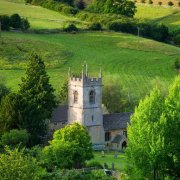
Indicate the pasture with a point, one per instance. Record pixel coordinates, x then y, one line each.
169 16
39 18
136 64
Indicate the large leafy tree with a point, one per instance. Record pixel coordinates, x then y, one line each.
70 147
15 165
122 7
38 98
153 146
172 130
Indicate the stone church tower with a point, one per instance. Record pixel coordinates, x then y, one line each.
85 104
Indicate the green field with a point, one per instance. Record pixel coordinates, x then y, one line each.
119 162
135 63
39 18
167 15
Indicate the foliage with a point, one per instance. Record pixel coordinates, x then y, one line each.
25 25
3 91
63 94
177 64
80 4
5 22
10 112
170 3
95 26
14 138
14 21
126 8
60 6
172 118
15 165
176 39
71 28
37 95
153 145
94 164
114 98
81 175
70 147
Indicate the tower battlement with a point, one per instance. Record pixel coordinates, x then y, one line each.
84 78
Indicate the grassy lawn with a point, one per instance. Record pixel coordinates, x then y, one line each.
119 162
167 15
137 64
40 18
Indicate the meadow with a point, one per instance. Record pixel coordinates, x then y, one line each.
39 18
169 16
136 64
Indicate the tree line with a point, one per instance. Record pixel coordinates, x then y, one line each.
14 21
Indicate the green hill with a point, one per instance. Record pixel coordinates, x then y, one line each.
137 64
39 18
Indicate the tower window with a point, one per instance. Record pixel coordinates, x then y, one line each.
75 97
92 118
92 97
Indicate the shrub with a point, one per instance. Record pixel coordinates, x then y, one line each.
15 165
176 39
71 28
128 27
5 22
15 21
179 3
170 3
177 64
150 2
24 24
94 164
95 26
80 4
160 3
142 1
15 137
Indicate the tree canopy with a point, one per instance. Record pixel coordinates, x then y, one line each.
153 136
70 147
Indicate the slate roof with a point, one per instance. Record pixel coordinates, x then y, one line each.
60 114
117 139
116 121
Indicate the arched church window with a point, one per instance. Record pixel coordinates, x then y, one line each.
92 97
75 97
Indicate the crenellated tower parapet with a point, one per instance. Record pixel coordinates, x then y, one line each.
85 103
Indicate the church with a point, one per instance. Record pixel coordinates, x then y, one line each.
107 131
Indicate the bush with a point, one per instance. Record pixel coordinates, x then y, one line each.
94 164
15 137
160 3
150 2
128 27
71 28
179 3
95 26
15 165
170 3
142 1
176 39
5 22
177 64
24 24
80 4
15 21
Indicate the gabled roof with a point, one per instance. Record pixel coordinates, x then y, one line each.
60 114
116 121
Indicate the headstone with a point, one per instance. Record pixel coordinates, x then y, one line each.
102 153
115 155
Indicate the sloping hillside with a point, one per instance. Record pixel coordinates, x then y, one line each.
40 18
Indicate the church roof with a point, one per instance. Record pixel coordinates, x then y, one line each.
117 139
116 121
60 114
